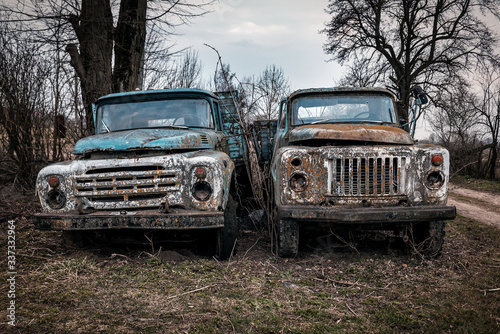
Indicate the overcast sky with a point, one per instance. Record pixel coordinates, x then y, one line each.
251 34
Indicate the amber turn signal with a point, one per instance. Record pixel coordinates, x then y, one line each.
54 181
200 173
437 160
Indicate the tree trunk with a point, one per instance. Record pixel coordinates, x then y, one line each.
130 40
92 62
493 160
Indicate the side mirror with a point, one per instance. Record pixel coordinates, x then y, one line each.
402 121
419 94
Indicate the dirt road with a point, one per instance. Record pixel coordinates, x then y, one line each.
480 206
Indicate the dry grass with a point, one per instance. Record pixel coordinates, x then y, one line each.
477 184
377 288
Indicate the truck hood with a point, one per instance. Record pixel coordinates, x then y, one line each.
351 132
147 139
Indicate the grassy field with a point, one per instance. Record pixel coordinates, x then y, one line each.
368 287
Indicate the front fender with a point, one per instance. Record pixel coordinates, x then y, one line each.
137 183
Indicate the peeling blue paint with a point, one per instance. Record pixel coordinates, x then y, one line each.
153 139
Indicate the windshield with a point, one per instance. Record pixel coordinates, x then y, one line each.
347 108
154 114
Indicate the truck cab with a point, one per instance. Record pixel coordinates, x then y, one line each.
159 160
341 159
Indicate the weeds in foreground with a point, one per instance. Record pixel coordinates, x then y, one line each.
152 289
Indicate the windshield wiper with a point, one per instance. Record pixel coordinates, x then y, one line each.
336 120
105 126
326 120
182 127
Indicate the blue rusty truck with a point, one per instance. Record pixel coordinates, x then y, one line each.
342 159
159 160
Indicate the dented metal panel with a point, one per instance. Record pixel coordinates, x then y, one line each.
351 132
145 219
358 175
138 183
369 215
147 139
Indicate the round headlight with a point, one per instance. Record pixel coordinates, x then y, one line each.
434 179
298 182
202 191
56 199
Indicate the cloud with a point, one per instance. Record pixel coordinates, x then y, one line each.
251 28
251 34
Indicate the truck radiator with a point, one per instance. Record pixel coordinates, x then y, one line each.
366 176
121 187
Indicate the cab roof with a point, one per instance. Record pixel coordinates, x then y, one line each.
311 91
156 92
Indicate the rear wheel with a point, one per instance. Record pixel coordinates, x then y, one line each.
427 238
227 236
287 236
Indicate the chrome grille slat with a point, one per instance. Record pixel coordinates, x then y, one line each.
366 176
95 184
128 186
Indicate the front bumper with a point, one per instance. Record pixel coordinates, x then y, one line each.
150 219
399 214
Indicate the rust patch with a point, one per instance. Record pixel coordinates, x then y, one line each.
352 132
130 220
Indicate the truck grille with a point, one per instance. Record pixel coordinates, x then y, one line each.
121 187
366 176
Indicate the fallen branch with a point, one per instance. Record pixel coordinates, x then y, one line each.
490 290
121 255
192 291
362 285
244 256
350 309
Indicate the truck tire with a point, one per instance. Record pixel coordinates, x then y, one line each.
287 242
227 236
428 238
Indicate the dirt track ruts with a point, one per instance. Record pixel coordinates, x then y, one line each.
477 205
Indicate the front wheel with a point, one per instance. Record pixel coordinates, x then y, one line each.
427 238
226 236
287 236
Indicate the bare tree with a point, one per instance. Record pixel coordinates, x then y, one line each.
411 40
25 118
272 86
106 44
249 95
467 122
488 111
454 125
224 80
362 73
184 72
